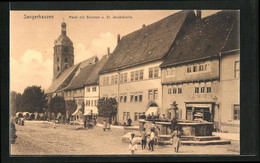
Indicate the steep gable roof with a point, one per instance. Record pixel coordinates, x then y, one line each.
149 43
94 77
233 39
62 78
67 75
202 39
87 76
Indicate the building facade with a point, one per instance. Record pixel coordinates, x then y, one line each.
198 78
132 75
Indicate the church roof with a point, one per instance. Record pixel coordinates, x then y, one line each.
87 75
149 43
63 40
202 39
65 78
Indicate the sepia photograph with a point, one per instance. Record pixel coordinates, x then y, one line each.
124 82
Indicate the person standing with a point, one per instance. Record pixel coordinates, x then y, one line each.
152 140
132 144
148 140
54 124
176 141
104 125
143 136
129 121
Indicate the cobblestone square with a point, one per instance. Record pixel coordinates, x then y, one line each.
40 138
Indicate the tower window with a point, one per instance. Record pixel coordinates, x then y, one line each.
66 60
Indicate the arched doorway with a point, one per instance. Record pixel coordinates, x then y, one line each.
152 109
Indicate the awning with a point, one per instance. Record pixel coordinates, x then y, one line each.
88 111
151 110
77 111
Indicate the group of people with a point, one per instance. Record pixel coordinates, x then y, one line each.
148 140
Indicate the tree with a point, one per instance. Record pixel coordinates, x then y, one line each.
107 107
70 106
57 105
16 103
34 99
13 103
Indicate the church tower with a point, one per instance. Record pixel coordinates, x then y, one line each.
63 56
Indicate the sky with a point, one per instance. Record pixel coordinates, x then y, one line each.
32 40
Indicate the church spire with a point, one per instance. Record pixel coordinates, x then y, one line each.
63 28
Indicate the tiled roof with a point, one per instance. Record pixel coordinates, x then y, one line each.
149 43
93 77
233 39
61 79
87 75
65 77
202 39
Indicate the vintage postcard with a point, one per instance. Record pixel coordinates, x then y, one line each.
124 82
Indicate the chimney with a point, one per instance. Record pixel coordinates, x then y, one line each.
108 51
143 26
198 14
118 38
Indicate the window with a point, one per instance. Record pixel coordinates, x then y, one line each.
208 89
171 71
189 69
179 90
156 72
91 102
141 96
125 77
201 67
66 60
121 78
196 89
58 59
151 72
141 74
136 97
104 80
132 76
107 80
58 68
236 112
116 79
169 91
237 71
88 89
195 68
202 90
112 79
125 98
155 94
136 75
174 91
94 89
150 94
121 98
131 97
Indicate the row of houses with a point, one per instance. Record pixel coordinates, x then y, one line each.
184 58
